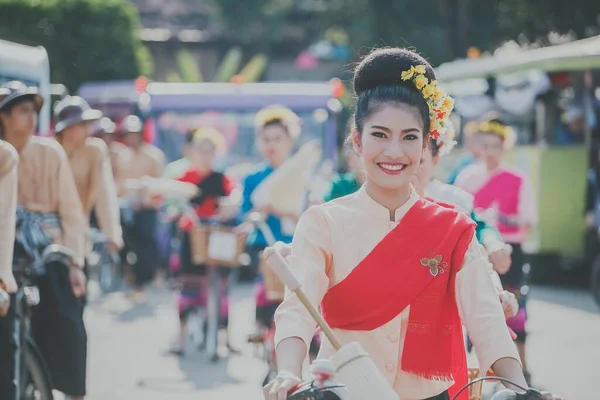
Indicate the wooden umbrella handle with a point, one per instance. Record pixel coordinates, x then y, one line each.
281 268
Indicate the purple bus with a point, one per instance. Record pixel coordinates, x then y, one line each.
230 108
117 99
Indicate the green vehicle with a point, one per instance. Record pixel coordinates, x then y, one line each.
551 97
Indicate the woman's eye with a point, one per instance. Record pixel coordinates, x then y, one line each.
379 134
411 137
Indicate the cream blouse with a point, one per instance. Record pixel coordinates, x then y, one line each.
332 238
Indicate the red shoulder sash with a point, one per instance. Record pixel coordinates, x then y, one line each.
416 265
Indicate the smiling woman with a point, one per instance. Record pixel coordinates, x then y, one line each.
361 257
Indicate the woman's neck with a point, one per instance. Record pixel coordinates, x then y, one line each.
16 139
203 169
420 190
493 166
360 177
392 199
275 163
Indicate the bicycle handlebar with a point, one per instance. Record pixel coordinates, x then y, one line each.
505 394
57 252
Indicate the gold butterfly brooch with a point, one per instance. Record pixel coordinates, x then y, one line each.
436 265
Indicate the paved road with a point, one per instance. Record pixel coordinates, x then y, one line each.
128 343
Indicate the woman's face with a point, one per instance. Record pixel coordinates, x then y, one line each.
492 149
391 146
425 171
474 145
274 144
201 153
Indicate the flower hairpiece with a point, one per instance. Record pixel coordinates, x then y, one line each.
446 142
496 128
439 102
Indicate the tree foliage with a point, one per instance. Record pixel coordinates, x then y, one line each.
86 40
440 29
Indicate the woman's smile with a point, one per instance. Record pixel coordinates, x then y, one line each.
392 168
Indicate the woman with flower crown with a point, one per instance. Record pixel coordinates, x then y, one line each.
277 128
505 197
390 270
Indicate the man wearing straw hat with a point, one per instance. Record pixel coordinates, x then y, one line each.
49 204
141 161
90 164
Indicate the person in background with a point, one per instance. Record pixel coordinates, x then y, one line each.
8 212
213 186
504 197
49 203
592 207
142 160
349 182
473 153
276 130
105 129
91 166
572 128
175 168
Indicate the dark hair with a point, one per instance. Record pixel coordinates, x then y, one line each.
433 147
276 122
189 136
9 107
377 80
23 99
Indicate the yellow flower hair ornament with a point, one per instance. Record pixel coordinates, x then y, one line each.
439 102
279 113
505 132
446 142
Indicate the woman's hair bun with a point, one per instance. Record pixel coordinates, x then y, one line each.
383 67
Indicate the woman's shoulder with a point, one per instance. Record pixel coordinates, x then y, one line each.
451 194
339 208
52 150
470 170
96 147
444 216
8 157
153 152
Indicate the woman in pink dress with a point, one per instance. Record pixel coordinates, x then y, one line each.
504 197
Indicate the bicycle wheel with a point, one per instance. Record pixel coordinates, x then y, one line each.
195 323
110 272
37 384
213 313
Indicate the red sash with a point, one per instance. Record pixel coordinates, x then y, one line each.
461 378
392 277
